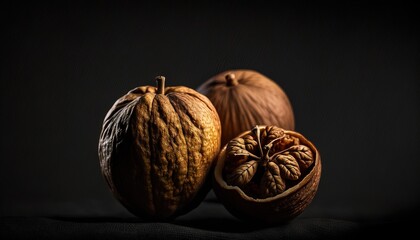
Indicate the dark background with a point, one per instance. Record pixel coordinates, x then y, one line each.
351 71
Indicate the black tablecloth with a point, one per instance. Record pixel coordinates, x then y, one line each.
209 221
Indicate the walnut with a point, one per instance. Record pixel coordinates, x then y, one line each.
157 148
267 173
245 97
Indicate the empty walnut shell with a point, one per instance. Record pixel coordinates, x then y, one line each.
267 175
157 148
244 98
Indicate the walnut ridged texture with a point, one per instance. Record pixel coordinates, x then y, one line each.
156 150
245 98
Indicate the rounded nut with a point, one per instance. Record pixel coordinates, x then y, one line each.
157 149
244 98
267 175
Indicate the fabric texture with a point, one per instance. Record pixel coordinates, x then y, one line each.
209 221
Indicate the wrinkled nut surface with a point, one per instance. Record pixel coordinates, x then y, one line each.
267 174
157 148
245 98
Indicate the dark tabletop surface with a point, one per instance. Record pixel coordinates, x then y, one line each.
209 220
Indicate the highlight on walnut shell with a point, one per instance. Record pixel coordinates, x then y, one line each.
267 174
157 149
244 98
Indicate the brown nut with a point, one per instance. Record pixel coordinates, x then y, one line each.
157 149
267 175
244 98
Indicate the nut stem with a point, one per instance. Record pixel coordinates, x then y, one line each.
256 131
160 84
231 80
268 147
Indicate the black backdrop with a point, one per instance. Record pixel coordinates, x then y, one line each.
351 71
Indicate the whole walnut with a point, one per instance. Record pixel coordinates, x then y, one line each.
157 148
244 98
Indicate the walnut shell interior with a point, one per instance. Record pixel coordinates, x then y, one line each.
277 208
